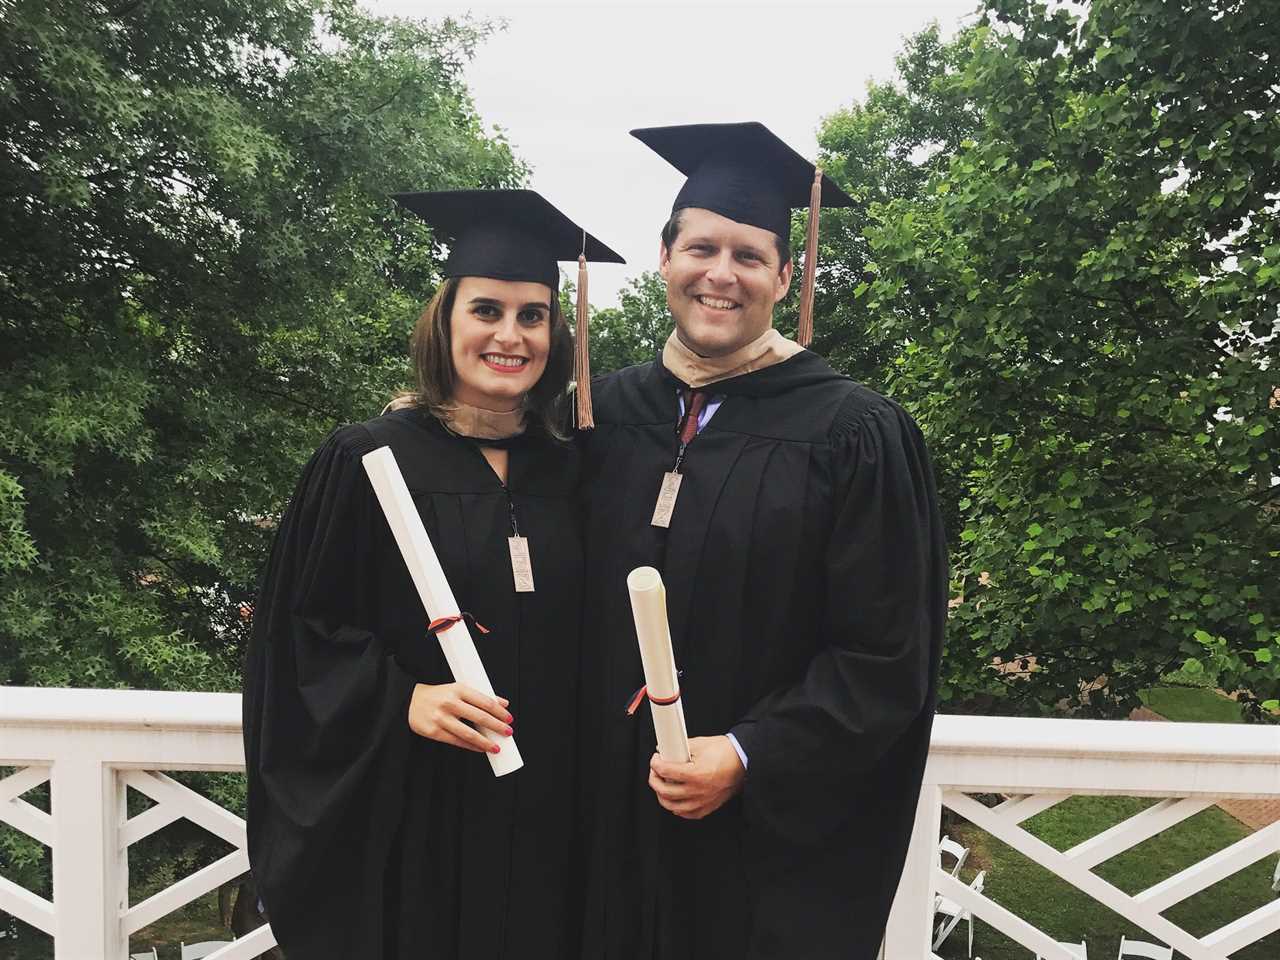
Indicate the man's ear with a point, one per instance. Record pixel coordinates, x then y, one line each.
784 280
664 260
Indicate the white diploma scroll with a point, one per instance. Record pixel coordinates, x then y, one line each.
649 607
437 598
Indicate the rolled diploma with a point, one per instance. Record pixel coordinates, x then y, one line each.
649 608
437 598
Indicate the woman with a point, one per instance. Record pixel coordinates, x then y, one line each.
376 828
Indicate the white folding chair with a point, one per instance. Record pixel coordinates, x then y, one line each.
145 956
1275 880
197 951
952 913
1145 951
1078 950
958 851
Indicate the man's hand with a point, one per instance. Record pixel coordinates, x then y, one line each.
701 787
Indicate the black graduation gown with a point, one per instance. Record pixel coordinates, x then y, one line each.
805 568
369 841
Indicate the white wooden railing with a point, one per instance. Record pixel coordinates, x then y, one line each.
1039 763
91 745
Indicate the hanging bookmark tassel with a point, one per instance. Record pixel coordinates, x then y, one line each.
804 329
582 350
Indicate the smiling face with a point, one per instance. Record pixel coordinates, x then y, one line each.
500 336
723 279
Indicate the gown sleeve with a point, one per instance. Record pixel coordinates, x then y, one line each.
871 687
325 711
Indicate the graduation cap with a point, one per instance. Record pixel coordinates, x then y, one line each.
745 172
515 235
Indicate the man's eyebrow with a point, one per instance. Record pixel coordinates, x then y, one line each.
738 248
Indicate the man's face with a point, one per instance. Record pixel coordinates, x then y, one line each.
723 279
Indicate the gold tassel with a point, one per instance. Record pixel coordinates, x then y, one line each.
582 353
804 329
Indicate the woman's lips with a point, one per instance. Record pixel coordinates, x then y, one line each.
502 363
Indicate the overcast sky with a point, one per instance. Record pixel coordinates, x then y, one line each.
566 81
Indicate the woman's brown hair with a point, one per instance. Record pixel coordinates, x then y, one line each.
430 349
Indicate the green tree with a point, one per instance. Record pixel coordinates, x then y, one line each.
886 147
1086 303
200 274
634 331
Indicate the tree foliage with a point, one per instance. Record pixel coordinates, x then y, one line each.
634 331
884 148
200 274
1083 293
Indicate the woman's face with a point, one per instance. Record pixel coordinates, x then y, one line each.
500 331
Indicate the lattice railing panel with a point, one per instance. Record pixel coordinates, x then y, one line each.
91 746
27 818
174 801
1145 909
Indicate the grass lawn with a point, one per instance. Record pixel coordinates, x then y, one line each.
1191 705
195 922
1069 915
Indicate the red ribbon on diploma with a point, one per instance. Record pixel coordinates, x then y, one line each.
441 623
634 704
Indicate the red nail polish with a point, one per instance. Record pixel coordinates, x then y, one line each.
508 731
495 749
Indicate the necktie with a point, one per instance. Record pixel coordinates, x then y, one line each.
693 406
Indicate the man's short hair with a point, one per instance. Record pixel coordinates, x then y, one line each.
671 230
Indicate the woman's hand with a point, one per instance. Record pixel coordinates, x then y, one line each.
438 712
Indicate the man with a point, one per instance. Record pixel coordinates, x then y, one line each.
805 568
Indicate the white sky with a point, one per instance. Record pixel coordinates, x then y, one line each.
566 81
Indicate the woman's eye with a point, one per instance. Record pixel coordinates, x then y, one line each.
531 318
485 310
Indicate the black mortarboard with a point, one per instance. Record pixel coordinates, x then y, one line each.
741 171
504 234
